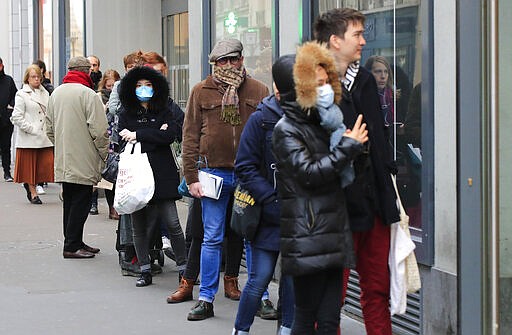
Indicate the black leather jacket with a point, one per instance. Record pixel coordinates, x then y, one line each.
315 233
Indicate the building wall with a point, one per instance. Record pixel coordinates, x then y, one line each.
115 28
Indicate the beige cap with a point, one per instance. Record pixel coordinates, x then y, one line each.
78 63
226 48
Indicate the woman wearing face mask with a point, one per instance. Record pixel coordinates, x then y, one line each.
145 118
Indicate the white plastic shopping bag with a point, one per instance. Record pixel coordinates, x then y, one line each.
135 183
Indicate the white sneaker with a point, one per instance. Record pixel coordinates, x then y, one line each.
40 189
166 243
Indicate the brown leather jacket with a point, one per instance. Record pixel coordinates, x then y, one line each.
205 134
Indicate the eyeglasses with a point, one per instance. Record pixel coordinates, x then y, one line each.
232 60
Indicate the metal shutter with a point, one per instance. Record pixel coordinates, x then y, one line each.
407 324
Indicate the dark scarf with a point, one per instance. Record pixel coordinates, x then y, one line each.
78 77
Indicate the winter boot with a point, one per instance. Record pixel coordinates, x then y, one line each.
231 289
183 293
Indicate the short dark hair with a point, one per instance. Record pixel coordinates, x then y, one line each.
335 22
41 65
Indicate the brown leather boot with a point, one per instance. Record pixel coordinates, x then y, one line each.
113 214
183 293
231 290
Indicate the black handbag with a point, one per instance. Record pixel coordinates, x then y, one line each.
109 173
246 214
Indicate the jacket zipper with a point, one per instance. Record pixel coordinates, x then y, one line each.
311 221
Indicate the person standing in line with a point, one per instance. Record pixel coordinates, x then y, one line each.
7 93
95 70
255 168
371 199
146 118
217 110
77 126
316 243
34 151
46 82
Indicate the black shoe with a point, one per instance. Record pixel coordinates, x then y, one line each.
8 177
145 279
201 311
94 209
267 310
36 201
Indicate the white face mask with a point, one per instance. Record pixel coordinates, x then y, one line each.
324 96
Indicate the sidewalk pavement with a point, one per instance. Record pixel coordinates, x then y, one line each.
44 294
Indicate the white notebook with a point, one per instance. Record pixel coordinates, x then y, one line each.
211 184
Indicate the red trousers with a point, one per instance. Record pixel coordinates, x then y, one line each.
372 250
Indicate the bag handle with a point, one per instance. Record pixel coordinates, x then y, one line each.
402 210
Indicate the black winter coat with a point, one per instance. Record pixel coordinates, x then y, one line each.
147 125
255 170
372 191
315 233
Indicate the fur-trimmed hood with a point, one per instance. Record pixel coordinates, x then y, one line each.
309 55
129 82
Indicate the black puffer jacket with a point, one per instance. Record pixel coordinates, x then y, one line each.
147 124
315 233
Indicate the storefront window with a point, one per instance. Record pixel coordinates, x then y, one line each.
393 46
176 47
45 36
251 23
75 32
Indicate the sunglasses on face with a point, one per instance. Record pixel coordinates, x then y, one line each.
225 60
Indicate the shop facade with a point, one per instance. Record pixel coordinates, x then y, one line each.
449 66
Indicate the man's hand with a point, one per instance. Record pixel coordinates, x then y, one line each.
196 190
127 135
358 132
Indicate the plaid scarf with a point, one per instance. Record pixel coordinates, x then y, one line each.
230 78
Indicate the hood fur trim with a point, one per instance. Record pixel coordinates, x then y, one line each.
309 55
129 82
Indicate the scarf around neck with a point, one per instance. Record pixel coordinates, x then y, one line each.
78 77
350 75
230 78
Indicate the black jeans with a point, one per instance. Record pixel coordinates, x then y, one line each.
144 223
195 232
5 145
318 300
76 204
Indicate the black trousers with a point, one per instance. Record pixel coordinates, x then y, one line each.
5 145
76 206
317 300
195 231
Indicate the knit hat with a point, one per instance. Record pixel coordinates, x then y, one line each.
226 48
79 64
282 74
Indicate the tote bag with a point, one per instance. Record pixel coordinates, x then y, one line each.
246 214
135 182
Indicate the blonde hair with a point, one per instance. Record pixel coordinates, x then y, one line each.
31 67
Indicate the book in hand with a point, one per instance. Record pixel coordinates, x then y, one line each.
211 184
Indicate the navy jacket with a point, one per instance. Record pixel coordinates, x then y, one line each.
255 169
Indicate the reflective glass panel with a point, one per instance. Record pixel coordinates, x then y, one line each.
251 23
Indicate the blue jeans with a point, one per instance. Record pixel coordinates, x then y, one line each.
214 221
263 263
248 261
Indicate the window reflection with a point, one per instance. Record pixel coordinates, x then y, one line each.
75 38
393 46
178 57
45 36
251 23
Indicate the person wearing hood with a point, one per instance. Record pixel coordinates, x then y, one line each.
146 118
255 169
7 93
34 151
77 126
316 242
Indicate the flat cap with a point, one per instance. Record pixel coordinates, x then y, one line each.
78 62
226 48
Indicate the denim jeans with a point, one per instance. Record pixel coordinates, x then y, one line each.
248 261
262 267
214 221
